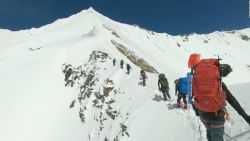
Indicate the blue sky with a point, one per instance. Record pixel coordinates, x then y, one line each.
170 16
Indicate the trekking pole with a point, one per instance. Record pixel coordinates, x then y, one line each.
199 129
219 59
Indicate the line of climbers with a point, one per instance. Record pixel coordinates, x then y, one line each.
121 65
162 82
143 75
206 92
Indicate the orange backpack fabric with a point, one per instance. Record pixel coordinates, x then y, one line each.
206 86
193 60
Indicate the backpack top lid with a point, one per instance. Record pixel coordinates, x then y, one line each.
163 80
183 79
193 60
142 72
162 76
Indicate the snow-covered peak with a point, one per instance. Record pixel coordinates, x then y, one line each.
91 10
88 12
59 84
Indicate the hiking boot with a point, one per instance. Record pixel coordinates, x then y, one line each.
185 105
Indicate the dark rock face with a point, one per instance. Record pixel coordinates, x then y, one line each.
245 37
94 94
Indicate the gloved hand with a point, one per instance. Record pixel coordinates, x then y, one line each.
247 118
227 117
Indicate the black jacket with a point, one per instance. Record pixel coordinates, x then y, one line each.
161 86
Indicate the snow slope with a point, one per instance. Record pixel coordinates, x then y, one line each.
106 103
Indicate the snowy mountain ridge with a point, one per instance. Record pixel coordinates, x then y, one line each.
58 82
90 23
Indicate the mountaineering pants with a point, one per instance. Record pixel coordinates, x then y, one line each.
214 124
165 92
144 81
180 96
128 71
143 78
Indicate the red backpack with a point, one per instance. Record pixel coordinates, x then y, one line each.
206 86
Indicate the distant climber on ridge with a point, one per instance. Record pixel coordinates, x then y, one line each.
163 86
128 68
121 64
114 61
143 77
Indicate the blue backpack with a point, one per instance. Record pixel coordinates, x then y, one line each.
184 85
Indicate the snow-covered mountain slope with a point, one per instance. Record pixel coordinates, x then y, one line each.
237 127
58 82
